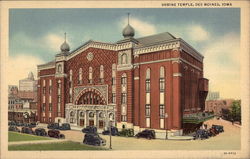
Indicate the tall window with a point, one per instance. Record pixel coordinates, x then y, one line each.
162 111
101 74
90 75
59 68
70 85
162 79
59 97
147 106
124 118
80 76
124 79
124 98
43 107
113 98
147 110
50 107
124 59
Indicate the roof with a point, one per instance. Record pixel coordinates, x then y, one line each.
154 39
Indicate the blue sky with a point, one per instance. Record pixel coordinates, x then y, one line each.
37 34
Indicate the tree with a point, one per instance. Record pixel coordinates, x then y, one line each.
236 111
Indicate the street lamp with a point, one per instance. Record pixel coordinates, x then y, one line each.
110 142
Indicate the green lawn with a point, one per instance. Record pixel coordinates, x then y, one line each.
14 136
68 145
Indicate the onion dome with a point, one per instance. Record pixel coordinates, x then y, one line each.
65 46
31 76
128 32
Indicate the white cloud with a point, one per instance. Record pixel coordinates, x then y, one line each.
197 33
142 28
54 41
20 66
222 65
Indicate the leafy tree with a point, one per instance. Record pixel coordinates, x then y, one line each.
235 112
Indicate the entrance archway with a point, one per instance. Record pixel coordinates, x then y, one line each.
90 97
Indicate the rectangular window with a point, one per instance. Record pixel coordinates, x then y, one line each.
124 80
50 89
59 99
162 123
147 98
71 120
44 90
124 118
113 98
50 107
162 84
124 98
50 120
43 107
113 81
162 97
162 111
148 122
148 85
147 110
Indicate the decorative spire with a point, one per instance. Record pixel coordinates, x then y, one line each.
65 36
128 31
65 46
128 18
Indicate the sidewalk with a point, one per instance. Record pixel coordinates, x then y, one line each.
37 141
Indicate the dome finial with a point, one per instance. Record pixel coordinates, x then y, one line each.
65 46
128 31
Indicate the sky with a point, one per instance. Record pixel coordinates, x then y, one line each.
35 36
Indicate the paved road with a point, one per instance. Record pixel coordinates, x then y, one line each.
230 139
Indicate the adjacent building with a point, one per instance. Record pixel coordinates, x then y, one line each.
151 82
213 96
217 106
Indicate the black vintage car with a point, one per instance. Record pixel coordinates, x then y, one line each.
94 139
40 132
12 123
27 130
219 128
53 126
201 134
55 134
14 128
148 134
32 125
89 129
19 124
65 126
114 131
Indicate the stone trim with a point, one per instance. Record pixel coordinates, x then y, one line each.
177 75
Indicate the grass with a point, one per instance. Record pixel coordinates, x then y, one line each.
68 145
14 136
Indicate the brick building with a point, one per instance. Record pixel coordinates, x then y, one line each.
216 106
148 82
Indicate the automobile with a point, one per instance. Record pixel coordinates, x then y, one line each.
148 134
201 134
27 130
89 129
65 126
219 128
126 132
94 139
40 132
56 134
32 125
53 126
12 123
14 128
114 131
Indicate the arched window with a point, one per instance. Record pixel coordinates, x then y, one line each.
91 114
101 115
72 114
124 59
82 114
80 76
59 68
90 74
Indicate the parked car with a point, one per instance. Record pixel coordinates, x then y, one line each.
12 123
32 125
89 129
126 132
27 130
219 128
114 131
94 139
14 128
65 126
53 126
55 134
40 132
201 134
148 134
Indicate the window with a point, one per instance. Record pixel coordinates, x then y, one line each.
148 73
113 81
50 107
113 70
91 114
147 110
80 76
90 74
101 74
124 79
124 98
50 89
147 85
124 59
59 87
162 84
59 99
124 118
113 98
43 107
148 122
82 114
44 90
162 111
59 68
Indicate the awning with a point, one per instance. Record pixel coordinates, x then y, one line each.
197 118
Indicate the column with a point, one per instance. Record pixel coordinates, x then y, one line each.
95 118
85 119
